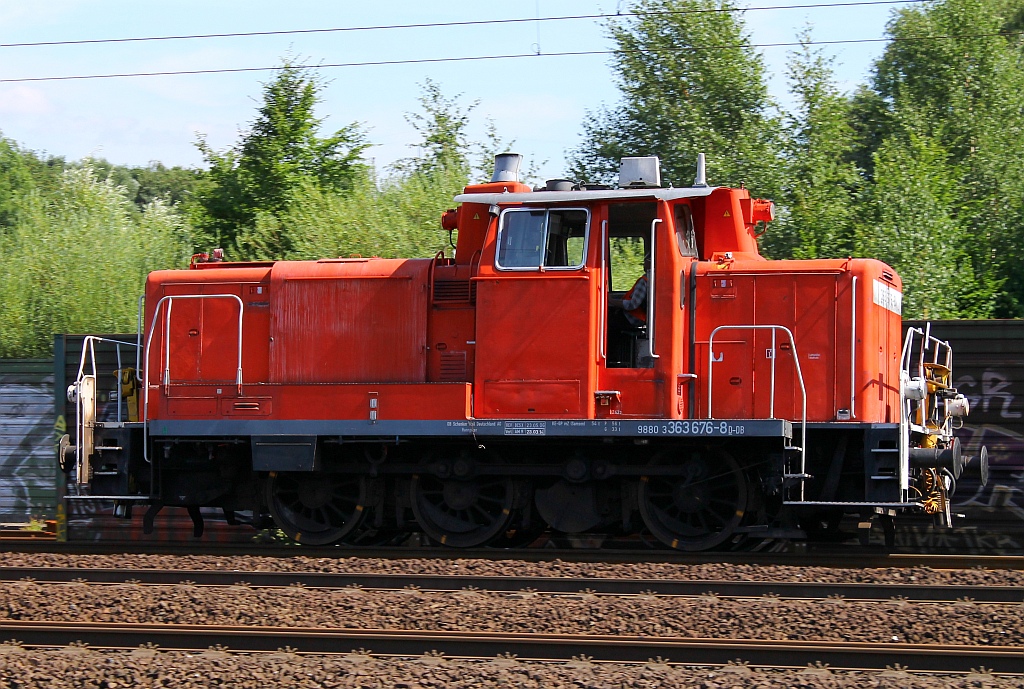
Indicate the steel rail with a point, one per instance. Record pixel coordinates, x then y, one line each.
1008 595
692 651
833 559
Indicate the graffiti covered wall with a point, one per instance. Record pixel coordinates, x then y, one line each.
28 468
988 368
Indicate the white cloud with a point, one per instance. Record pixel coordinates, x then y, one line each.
21 99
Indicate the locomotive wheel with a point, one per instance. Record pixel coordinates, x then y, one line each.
317 509
699 508
463 511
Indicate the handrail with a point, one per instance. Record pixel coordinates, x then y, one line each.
138 340
430 276
928 343
87 348
650 291
169 299
853 351
799 375
89 352
602 336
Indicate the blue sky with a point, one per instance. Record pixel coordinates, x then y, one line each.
539 102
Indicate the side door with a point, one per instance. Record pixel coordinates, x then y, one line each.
642 358
534 343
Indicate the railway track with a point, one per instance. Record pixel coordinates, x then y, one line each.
511 584
692 651
812 557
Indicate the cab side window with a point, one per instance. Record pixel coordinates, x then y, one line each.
686 238
532 238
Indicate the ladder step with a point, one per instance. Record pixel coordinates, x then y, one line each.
793 448
884 449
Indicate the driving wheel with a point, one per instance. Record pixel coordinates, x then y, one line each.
697 507
315 508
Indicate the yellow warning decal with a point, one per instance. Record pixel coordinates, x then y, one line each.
727 215
476 216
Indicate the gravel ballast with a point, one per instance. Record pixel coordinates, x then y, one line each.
80 668
708 616
355 608
552 568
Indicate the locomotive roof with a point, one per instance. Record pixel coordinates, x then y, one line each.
589 195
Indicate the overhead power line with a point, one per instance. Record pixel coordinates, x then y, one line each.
482 22
511 56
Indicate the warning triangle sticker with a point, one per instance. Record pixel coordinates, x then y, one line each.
727 215
476 216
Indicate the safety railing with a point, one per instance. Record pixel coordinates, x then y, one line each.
775 329
166 377
83 393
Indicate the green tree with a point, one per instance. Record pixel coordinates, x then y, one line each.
441 126
911 224
688 86
397 215
16 179
820 187
964 91
281 152
76 258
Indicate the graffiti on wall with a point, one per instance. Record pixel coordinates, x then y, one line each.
992 515
27 466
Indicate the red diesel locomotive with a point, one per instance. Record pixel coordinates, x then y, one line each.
526 383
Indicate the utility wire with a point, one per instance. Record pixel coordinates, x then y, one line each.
512 56
482 22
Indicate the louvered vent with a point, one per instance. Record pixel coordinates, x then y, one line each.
453 367
454 292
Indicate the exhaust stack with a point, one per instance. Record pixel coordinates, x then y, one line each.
506 167
701 180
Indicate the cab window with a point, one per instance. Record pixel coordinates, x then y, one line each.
686 239
530 238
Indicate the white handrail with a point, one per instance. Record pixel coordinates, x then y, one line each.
169 299
605 286
799 375
89 351
853 351
650 290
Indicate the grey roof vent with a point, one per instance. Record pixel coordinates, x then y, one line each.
506 167
640 172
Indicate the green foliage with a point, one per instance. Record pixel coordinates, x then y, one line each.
442 130
912 228
391 217
820 187
965 95
281 152
76 260
15 180
396 217
679 100
144 185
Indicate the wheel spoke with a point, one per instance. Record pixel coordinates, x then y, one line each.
314 508
698 509
462 512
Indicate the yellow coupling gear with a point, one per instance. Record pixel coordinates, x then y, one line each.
129 391
934 491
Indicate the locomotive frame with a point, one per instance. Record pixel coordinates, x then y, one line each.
482 398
